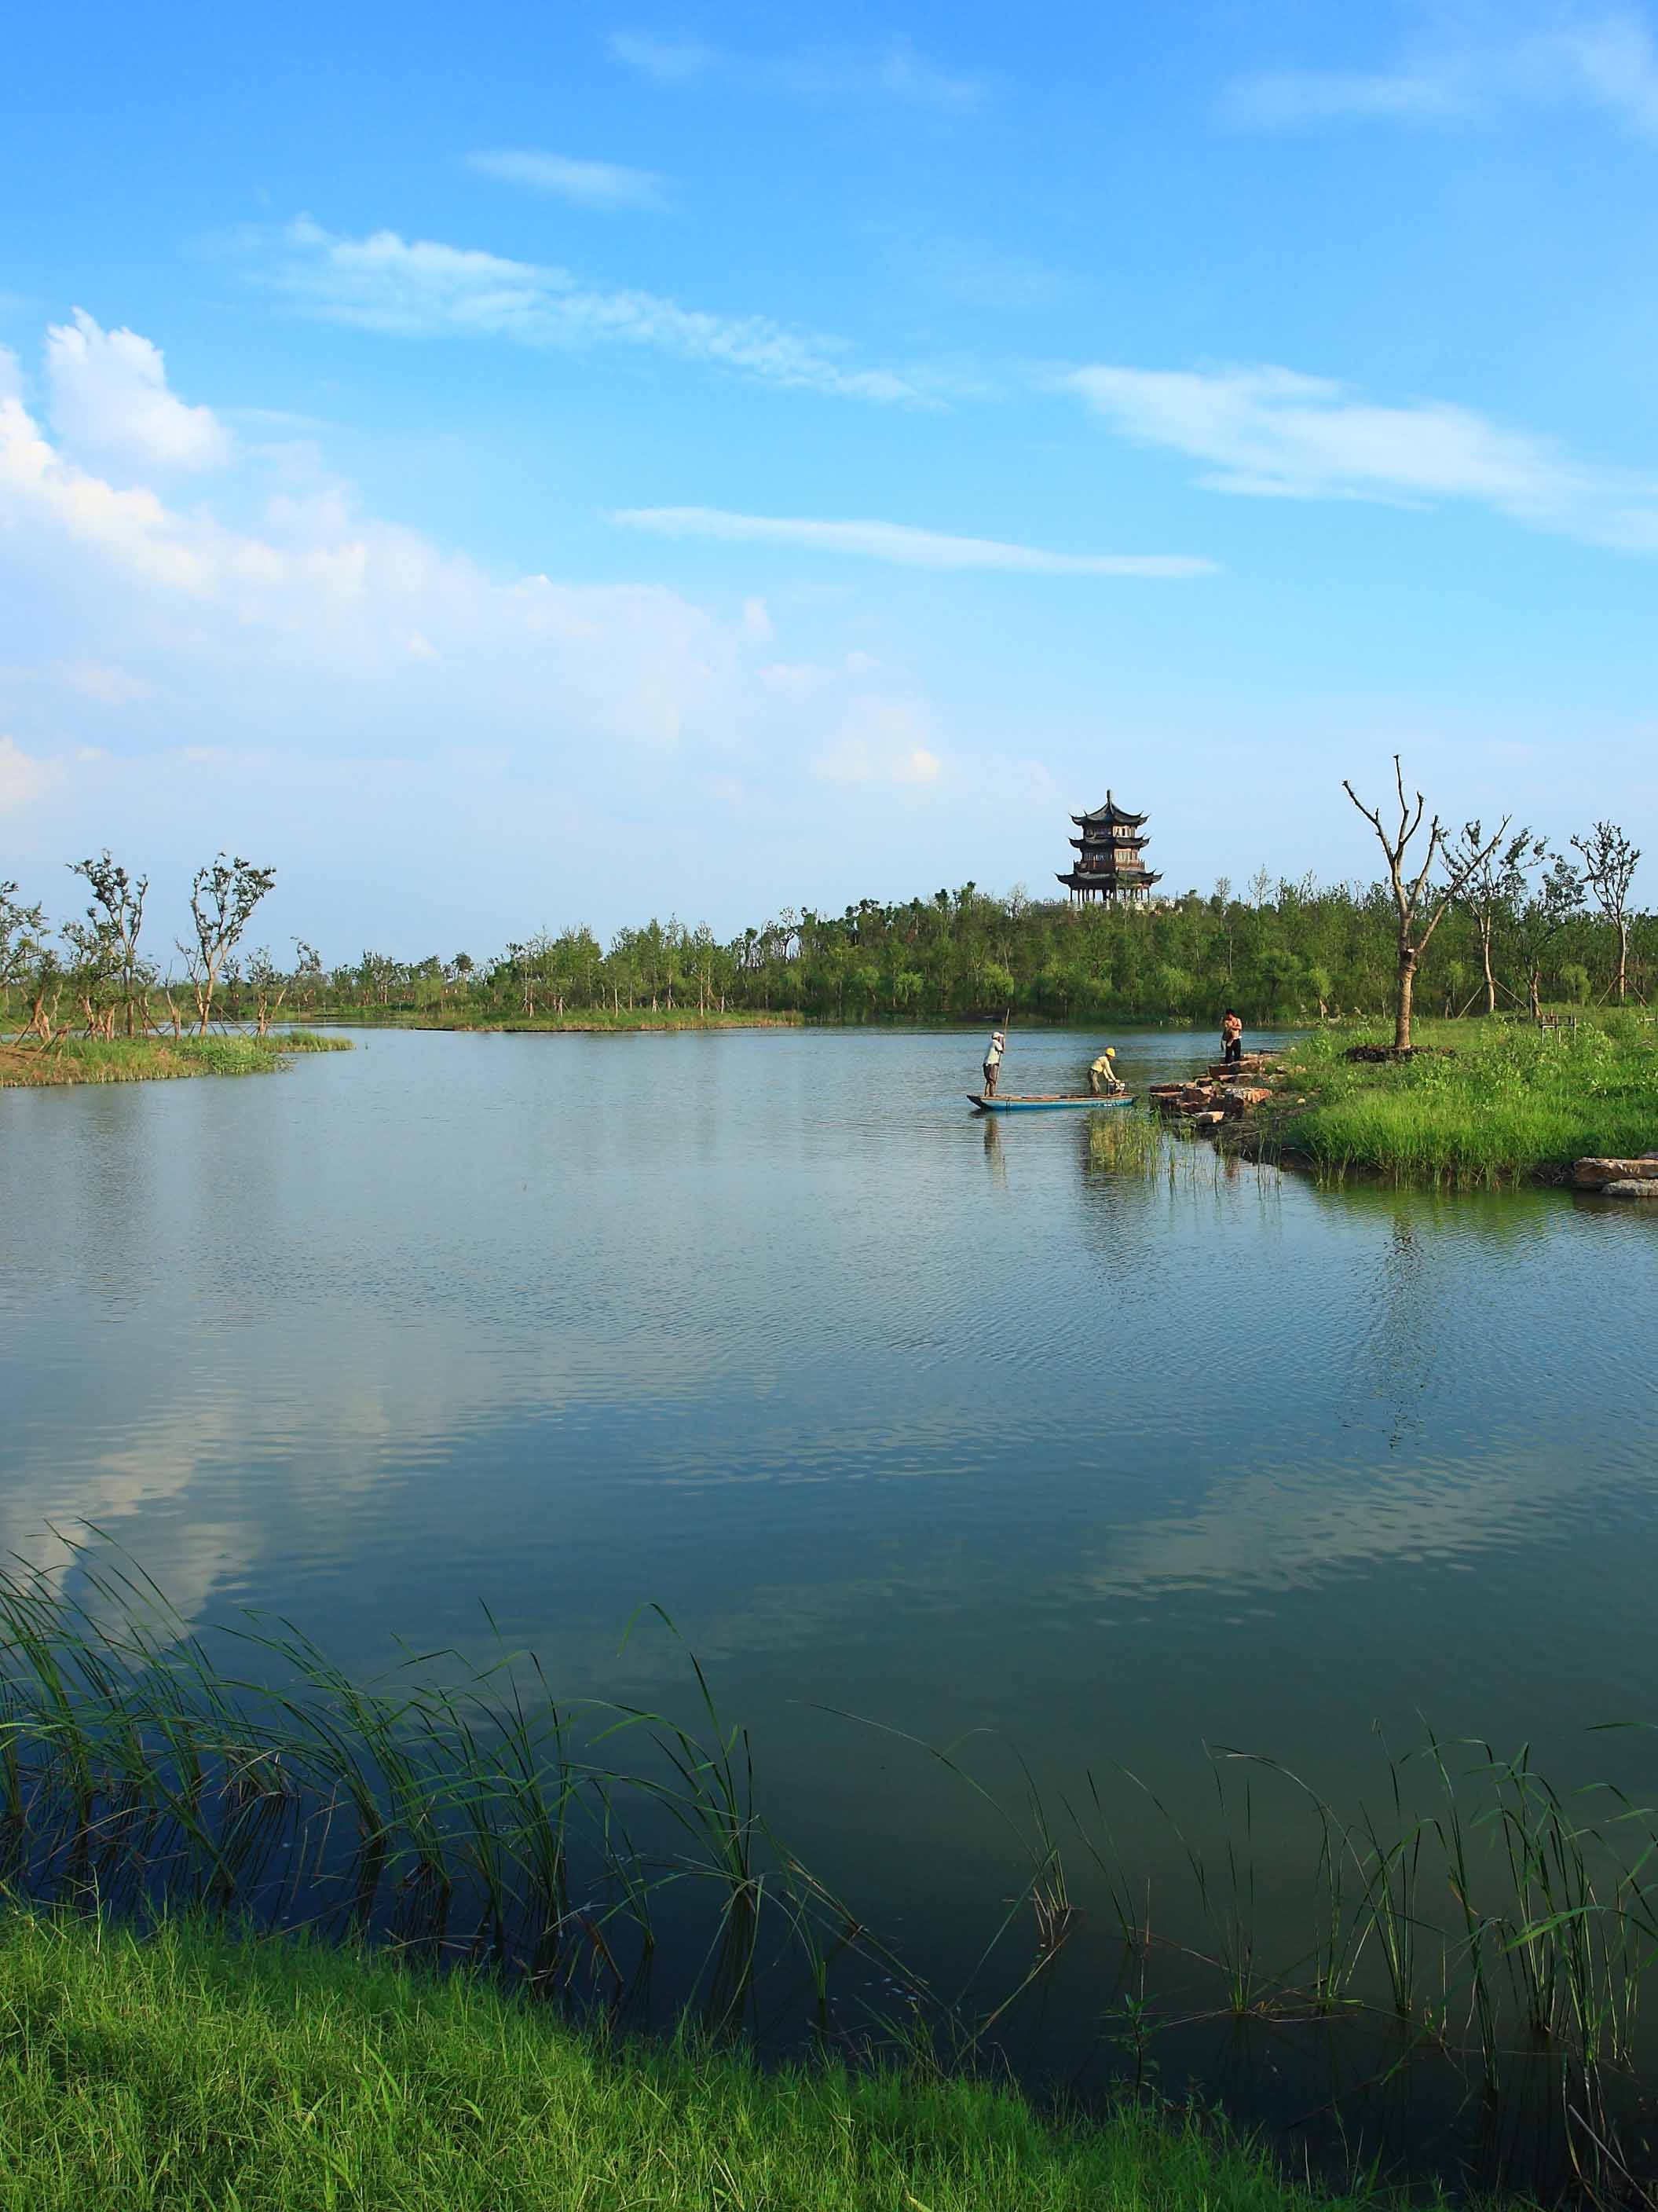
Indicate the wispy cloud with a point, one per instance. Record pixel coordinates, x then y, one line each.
606 185
882 739
663 61
903 74
421 289
900 545
898 73
1274 432
22 777
1283 97
984 275
1609 61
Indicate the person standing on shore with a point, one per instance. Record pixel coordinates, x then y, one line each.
993 1052
1231 1036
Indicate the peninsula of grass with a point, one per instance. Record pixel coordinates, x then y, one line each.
190 2068
1478 1104
152 1059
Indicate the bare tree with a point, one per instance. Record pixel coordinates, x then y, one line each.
1553 906
1419 907
222 898
270 987
22 933
93 972
1609 861
1493 884
117 913
28 959
309 981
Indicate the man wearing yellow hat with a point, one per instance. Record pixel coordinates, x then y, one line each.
1103 1076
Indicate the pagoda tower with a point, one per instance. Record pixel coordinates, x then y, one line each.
1108 865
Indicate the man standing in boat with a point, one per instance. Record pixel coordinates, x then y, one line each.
1103 1076
993 1052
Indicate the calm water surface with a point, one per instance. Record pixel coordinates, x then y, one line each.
896 1410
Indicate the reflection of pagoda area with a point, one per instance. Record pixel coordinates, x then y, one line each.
1108 864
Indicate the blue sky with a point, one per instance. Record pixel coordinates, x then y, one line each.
538 464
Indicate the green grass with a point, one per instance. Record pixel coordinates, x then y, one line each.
154 1059
1491 1102
193 2069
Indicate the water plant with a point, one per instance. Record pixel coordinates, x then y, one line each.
1473 1912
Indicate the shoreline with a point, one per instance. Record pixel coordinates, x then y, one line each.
1499 1105
242 2068
76 1060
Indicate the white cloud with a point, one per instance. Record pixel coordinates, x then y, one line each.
302 659
1284 97
109 395
350 600
111 687
606 185
1271 431
982 276
663 61
1609 61
898 74
22 778
897 543
906 77
421 289
881 740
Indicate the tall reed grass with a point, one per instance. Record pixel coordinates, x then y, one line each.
468 1814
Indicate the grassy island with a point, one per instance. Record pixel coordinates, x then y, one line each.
192 2068
152 1059
1475 1102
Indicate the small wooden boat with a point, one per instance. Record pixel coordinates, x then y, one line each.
1014 1104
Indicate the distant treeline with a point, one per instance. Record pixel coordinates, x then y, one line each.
1527 928
1288 952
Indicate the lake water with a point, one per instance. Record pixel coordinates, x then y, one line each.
898 1411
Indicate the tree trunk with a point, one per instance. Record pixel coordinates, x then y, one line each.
1406 992
1534 990
1623 958
1485 962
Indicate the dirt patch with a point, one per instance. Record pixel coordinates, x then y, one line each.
1384 1052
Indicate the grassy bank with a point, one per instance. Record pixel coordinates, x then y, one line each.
194 2070
152 1058
1480 1102
1485 1923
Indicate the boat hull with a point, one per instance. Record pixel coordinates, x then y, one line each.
1017 1105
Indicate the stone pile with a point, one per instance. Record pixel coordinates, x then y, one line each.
1206 1105
1618 1178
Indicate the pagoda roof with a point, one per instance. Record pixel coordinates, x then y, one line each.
1109 812
1090 841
